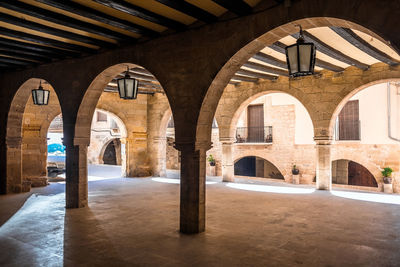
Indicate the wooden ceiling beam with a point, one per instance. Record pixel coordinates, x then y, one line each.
280 47
141 71
61 19
56 32
15 61
364 46
244 79
238 7
330 51
190 10
35 49
261 67
45 41
85 11
256 74
142 13
270 60
21 51
11 53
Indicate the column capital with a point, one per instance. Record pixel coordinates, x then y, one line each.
227 140
323 140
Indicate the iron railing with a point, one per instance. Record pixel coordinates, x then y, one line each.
254 134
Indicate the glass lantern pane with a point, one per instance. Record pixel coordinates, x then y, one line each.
34 97
129 88
40 97
292 55
121 87
46 97
305 56
135 88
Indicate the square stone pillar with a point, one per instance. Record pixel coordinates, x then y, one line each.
193 187
228 170
14 165
76 188
324 170
158 156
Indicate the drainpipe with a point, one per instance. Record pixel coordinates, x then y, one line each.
389 110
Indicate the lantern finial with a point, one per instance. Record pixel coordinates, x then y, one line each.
301 37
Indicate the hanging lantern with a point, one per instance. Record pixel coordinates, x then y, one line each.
300 57
40 96
127 86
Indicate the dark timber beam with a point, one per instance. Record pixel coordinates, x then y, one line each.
270 60
244 79
61 19
14 61
43 40
256 74
330 51
364 46
21 51
7 52
280 47
44 51
87 12
190 10
238 7
141 13
49 30
261 67
140 77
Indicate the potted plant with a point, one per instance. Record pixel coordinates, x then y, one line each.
387 173
211 160
295 170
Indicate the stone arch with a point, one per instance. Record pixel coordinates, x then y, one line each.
362 160
387 74
277 30
19 123
284 170
121 123
228 119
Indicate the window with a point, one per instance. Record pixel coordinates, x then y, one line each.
348 124
101 116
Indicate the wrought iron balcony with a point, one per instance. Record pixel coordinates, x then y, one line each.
254 134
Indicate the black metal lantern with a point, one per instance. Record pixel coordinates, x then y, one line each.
300 57
127 86
40 96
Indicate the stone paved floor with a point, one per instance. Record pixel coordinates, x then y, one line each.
134 222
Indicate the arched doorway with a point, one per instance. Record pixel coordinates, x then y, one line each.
348 172
253 166
27 128
112 152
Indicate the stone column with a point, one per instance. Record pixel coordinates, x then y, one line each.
123 157
228 171
193 186
324 170
76 189
157 154
14 165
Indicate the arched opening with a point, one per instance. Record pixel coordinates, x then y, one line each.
141 118
112 153
262 64
368 136
27 128
252 166
348 172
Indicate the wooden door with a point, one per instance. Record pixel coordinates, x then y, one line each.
349 128
359 175
255 123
